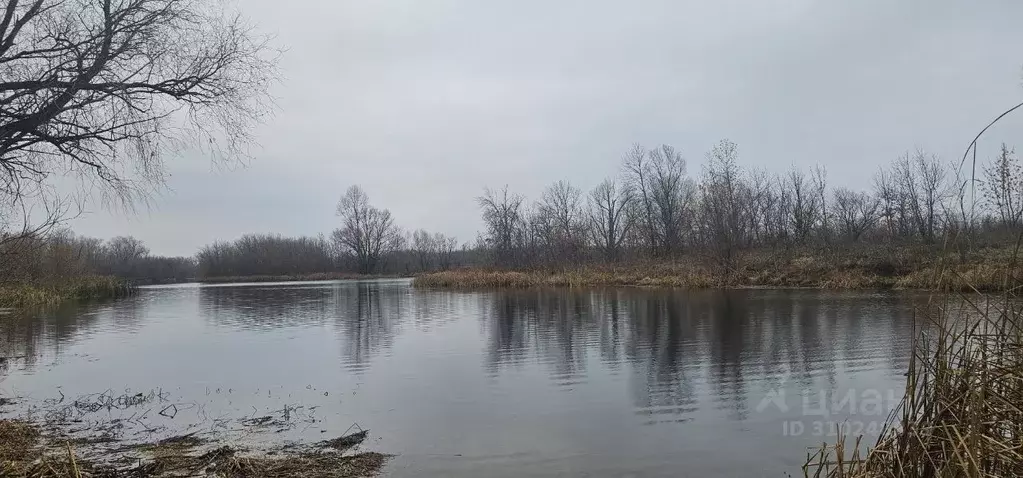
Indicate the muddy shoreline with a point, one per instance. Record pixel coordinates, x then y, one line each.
80 438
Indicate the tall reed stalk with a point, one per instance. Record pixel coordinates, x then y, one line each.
962 414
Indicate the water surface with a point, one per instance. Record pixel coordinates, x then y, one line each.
582 382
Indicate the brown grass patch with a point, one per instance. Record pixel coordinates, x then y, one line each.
78 288
310 465
318 276
25 452
887 267
17 440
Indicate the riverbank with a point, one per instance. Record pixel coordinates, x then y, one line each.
27 294
296 277
32 450
151 435
918 267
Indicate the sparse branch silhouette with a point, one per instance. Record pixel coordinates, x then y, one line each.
105 90
96 96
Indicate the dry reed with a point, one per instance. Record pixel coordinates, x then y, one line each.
961 415
317 276
52 293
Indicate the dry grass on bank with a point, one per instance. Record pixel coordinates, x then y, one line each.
672 275
25 452
916 267
293 278
55 292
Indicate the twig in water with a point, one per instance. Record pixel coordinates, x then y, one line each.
71 458
172 414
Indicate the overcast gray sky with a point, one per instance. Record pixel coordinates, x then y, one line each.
424 103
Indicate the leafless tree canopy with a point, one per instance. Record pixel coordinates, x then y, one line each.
558 222
432 251
655 210
504 222
367 233
609 218
126 248
665 192
855 212
60 255
1003 187
727 201
106 90
265 255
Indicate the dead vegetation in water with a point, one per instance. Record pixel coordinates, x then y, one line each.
63 439
60 409
149 414
309 465
348 440
25 451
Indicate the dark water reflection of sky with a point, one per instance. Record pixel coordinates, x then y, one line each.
584 382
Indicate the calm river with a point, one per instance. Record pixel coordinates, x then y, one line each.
580 382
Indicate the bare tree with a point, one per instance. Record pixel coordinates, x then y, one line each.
58 255
724 203
778 211
561 208
104 90
804 208
820 186
910 208
444 248
267 255
671 193
502 214
126 248
424 249
538 242
1003 187
432 251
366 233
854 212
960 213
931 191
609 219
637 177
761 202
22 224
888 197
